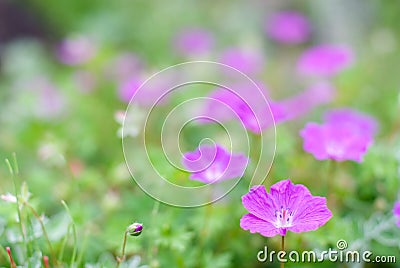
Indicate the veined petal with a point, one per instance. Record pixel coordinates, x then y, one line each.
311 213
257 225
258 203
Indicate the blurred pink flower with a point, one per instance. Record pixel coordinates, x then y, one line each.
288 27
193 41
365 123
246 61
257 111
76 50
325 60
396 212
340 138
49 103
210 164
287 207
145 93
251 109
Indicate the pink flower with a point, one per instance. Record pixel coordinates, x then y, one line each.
152 92
287 207
254 110
365 123
49 102
76 50
246 61
210 164
247 105
193 41
396 212
324 60
346 135
288 27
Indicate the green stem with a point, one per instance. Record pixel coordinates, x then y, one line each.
73 233
82 251
63 243
283 249
122 258
21 225
34 212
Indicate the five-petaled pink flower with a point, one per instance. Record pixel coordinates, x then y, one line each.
396 212
210 164
346 135
288 27
287 207
324 60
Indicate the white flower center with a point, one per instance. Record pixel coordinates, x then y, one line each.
284 218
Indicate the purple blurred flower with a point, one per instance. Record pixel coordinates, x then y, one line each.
365 123
49 101
210 164
75 51
152 92
288 27
325 60
342 137
287 207
254 110
193 42
246 61
251 108
396 212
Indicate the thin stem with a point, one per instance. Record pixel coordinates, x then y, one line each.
82 251
283 249
73 233
34 212
21 225
15 162
122 258
63 243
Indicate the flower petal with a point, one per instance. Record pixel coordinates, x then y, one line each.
259 204
311 213
257 225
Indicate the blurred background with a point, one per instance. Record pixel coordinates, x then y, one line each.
68 70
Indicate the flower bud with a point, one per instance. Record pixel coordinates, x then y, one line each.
135 229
